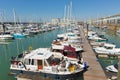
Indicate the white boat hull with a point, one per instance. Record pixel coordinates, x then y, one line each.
60 76
6 37
102 50
111 68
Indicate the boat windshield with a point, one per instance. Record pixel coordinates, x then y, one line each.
116 66
50 60
108 47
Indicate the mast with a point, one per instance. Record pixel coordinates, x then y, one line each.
68 14
3 21
65 13
70 10
14 14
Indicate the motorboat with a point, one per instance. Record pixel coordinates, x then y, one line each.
94 43
6 36
43 62
95 37
73 46
18 35
66 50
107 48
67 39
112 68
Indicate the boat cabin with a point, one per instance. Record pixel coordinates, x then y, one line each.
69 52
109 46
40 59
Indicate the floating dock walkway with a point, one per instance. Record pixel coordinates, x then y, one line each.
94 70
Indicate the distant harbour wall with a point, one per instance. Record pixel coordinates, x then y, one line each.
114 27
110 26
111 22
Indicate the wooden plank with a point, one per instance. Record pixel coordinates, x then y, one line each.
94 71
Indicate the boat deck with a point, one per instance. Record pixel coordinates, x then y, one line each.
94 70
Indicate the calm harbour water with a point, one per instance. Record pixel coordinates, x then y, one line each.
41 40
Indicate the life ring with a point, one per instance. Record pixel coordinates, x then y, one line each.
20 65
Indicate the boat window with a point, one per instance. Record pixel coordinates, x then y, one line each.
65 53
108 47
39 62
40 53
61 38
32 63
26 61
50 60
29 61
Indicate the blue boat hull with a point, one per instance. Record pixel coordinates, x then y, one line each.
18 36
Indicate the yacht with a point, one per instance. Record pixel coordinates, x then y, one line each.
44 62
93 36
94 43
68 44
107 48
18 35
97 38
112 68
6 37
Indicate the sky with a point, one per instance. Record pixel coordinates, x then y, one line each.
47 9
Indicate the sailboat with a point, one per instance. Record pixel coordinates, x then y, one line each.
17 33
4 36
